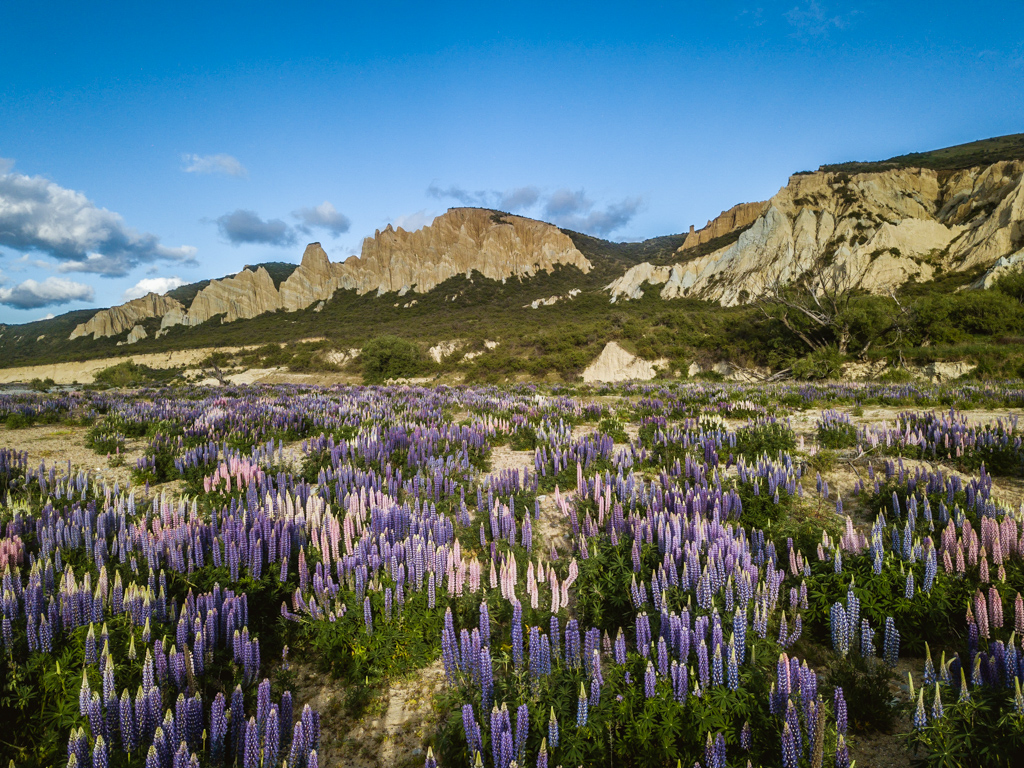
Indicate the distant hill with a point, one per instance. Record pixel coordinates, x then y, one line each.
970 155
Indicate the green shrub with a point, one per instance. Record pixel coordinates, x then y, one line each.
389 357
823 363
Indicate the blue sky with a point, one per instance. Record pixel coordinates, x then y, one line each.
150 141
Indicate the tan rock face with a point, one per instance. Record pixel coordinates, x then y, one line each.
462 241
737 217
117 320
617 364
245 295
877 230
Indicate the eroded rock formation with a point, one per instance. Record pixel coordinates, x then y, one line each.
117 320
737 217
460 242
874 231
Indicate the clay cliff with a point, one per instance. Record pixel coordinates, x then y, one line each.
873 230
117 320
737 217
460 242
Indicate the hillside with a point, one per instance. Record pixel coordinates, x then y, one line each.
974 154
547 300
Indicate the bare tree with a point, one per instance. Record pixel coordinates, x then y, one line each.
818 309
823 300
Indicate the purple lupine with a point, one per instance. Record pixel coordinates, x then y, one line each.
522 730
790 753
581 708
262 704
517 634
271 738
649 682
937 709
298 750
486 679
129 735
542 755
218 729
99 753
839 706
892 642
734 672
251 755
471 728
368 616
745 736
553 730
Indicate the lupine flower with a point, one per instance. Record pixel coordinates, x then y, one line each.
553 730
790 754
920 716
581 708
839 706
937 710
892 642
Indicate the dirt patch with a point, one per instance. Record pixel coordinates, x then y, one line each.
56 444
392 730
503 457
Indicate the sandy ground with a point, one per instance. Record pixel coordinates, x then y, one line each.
56 444
391 732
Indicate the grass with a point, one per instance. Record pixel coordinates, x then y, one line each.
974 153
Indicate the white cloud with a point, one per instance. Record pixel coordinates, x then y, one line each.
323 216
243 226
47 316
159 285
51 292
413 221
221 164
39 215
567 208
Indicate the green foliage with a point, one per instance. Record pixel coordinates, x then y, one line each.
837 435
867 688
764 437
131 374
389 357
821 364
975 153
614 429
981 733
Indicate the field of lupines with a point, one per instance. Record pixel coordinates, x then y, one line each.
665 579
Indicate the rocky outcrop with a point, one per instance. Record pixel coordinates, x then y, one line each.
616 364
551 300
460 242
873 231
138 333
244 295
316 279
117 320
737 217
1003 266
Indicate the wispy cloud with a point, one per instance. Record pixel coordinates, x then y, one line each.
410 222
38 215
323 216
243 226
225 165
53 291
148 285
569 208
817 20
509 200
